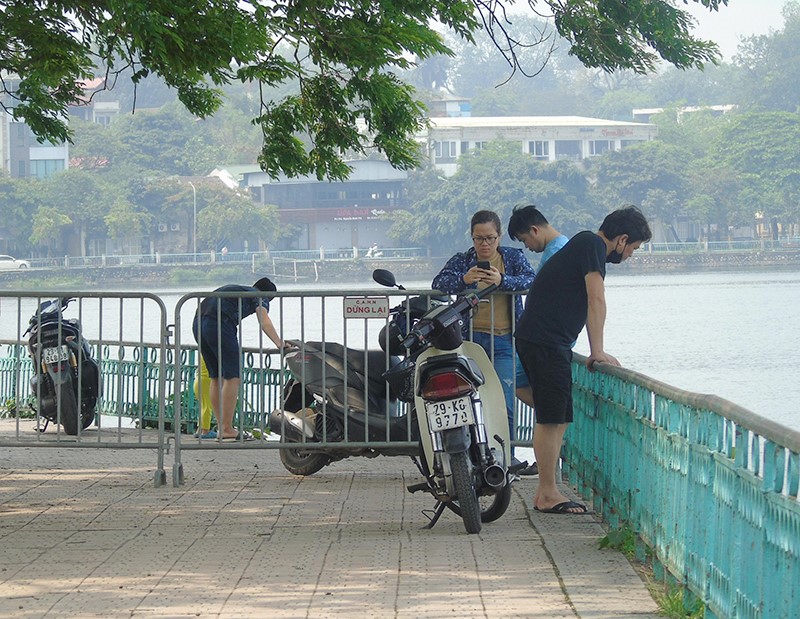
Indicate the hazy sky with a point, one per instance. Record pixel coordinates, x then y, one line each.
739 18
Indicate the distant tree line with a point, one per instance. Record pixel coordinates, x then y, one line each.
718 171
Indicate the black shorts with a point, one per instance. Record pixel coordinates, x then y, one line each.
219 347
549 371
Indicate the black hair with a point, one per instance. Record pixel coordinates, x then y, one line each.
265 284
486 217
522 218
626 220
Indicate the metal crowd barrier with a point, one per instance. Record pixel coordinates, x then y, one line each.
304 317
132 371
148 383
710 487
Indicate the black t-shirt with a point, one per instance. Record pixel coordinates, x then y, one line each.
229 307
557 304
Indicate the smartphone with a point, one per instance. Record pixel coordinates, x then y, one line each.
484 264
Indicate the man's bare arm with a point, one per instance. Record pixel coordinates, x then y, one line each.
596 319
267 327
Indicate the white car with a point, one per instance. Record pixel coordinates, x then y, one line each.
8 263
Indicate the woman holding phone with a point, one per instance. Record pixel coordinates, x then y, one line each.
483 264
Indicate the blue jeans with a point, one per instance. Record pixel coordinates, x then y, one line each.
503 361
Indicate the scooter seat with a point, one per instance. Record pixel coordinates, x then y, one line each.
374 362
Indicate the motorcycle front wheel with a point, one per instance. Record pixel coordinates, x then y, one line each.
461 469
302 462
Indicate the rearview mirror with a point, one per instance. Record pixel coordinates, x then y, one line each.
385 278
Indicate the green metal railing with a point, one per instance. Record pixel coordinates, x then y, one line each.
710 487
130 376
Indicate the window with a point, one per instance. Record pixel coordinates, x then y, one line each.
42 168
598 147
568 149
539 149
464 147
445 151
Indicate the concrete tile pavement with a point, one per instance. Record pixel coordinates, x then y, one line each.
84 533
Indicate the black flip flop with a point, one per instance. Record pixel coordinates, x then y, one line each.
563 508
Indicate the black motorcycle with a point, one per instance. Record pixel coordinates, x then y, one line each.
339 394
66 378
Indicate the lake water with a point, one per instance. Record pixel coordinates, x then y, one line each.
733 334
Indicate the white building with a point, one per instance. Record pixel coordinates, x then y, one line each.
545 138
21 154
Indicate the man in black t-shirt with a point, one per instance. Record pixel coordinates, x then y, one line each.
216 330
568 294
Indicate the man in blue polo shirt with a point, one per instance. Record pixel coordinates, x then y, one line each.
216 330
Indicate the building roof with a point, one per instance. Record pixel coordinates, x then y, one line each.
233 175
472 122
361 170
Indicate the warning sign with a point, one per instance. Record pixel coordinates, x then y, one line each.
366 307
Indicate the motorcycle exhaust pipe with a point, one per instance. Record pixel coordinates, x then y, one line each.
494 475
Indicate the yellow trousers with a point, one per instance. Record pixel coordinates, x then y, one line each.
202 393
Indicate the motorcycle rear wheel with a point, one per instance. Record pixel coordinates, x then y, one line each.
302 462
492 506
69 408
461 468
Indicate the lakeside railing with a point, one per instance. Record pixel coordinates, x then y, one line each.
710 487
253 258
130 374
322 254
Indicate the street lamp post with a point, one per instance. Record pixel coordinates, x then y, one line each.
194 222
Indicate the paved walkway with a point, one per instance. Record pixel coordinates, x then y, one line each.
84 533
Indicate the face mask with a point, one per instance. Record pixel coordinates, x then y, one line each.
615 257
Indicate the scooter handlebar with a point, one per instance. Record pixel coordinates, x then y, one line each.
288 346
463 303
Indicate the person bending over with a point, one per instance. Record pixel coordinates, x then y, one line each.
216 330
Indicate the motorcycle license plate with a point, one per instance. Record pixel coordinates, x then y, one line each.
449 414
56 354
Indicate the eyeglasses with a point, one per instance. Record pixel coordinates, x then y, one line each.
480 240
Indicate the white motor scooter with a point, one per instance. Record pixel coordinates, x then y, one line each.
459 405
